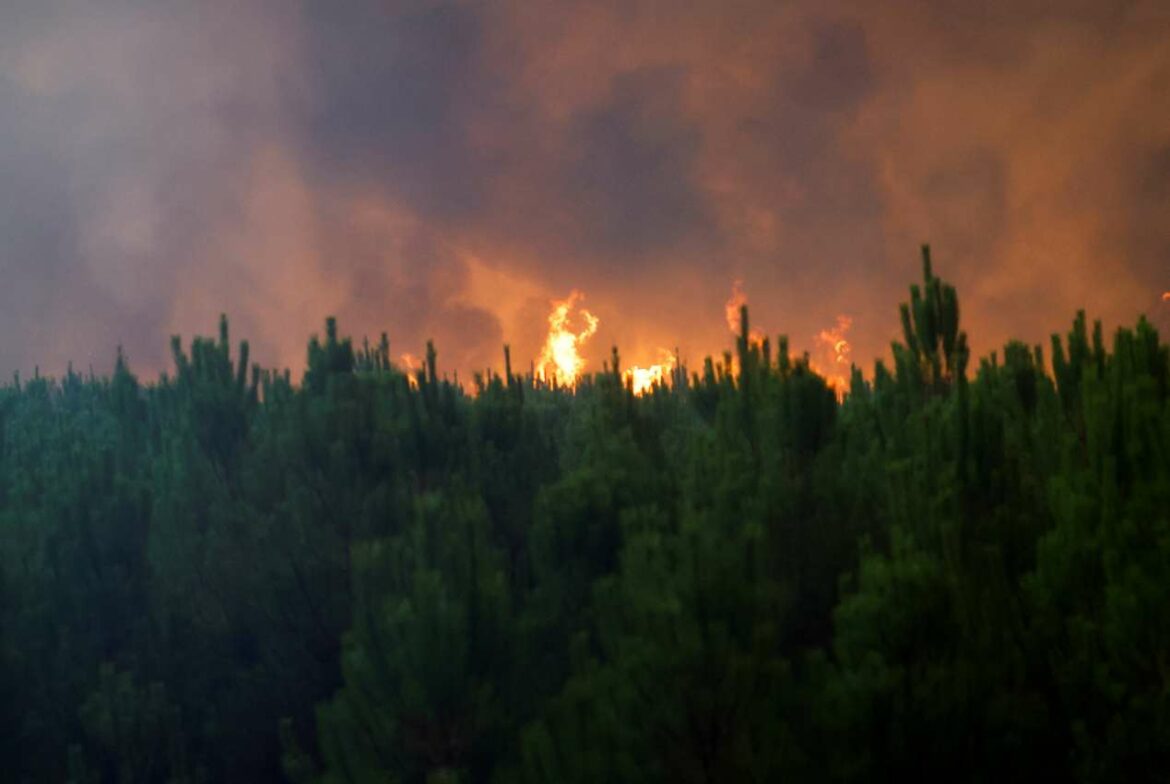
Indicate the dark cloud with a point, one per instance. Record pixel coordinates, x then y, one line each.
631 171
838 74
395 88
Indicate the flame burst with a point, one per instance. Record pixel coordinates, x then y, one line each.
411 365
834 341
644 379
560 360
1166 296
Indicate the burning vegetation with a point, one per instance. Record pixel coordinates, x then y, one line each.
560 361
571 326
833 342
643 379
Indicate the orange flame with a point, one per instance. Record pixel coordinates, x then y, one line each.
834 341
560 360
411 365
1166 296
644 379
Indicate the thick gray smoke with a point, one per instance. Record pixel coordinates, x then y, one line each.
444 169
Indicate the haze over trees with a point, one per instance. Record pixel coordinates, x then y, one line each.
959 572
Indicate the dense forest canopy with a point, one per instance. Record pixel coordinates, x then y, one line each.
959 571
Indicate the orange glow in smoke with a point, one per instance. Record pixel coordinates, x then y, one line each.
560 360
736 301
731 312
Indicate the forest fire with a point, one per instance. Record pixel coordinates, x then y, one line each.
834 341
411 365
560 361
475 484
570 326
643 379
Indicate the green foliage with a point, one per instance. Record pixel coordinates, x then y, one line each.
134 733
426 657
962 574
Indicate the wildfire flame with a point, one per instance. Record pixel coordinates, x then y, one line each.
644 379
570 326
411 365
1166 296
561 360
834 341
731 311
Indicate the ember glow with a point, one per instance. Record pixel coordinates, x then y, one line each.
1166 296
560 360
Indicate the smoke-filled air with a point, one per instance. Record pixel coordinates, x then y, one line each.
740 391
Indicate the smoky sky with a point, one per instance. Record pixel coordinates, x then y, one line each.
443 170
